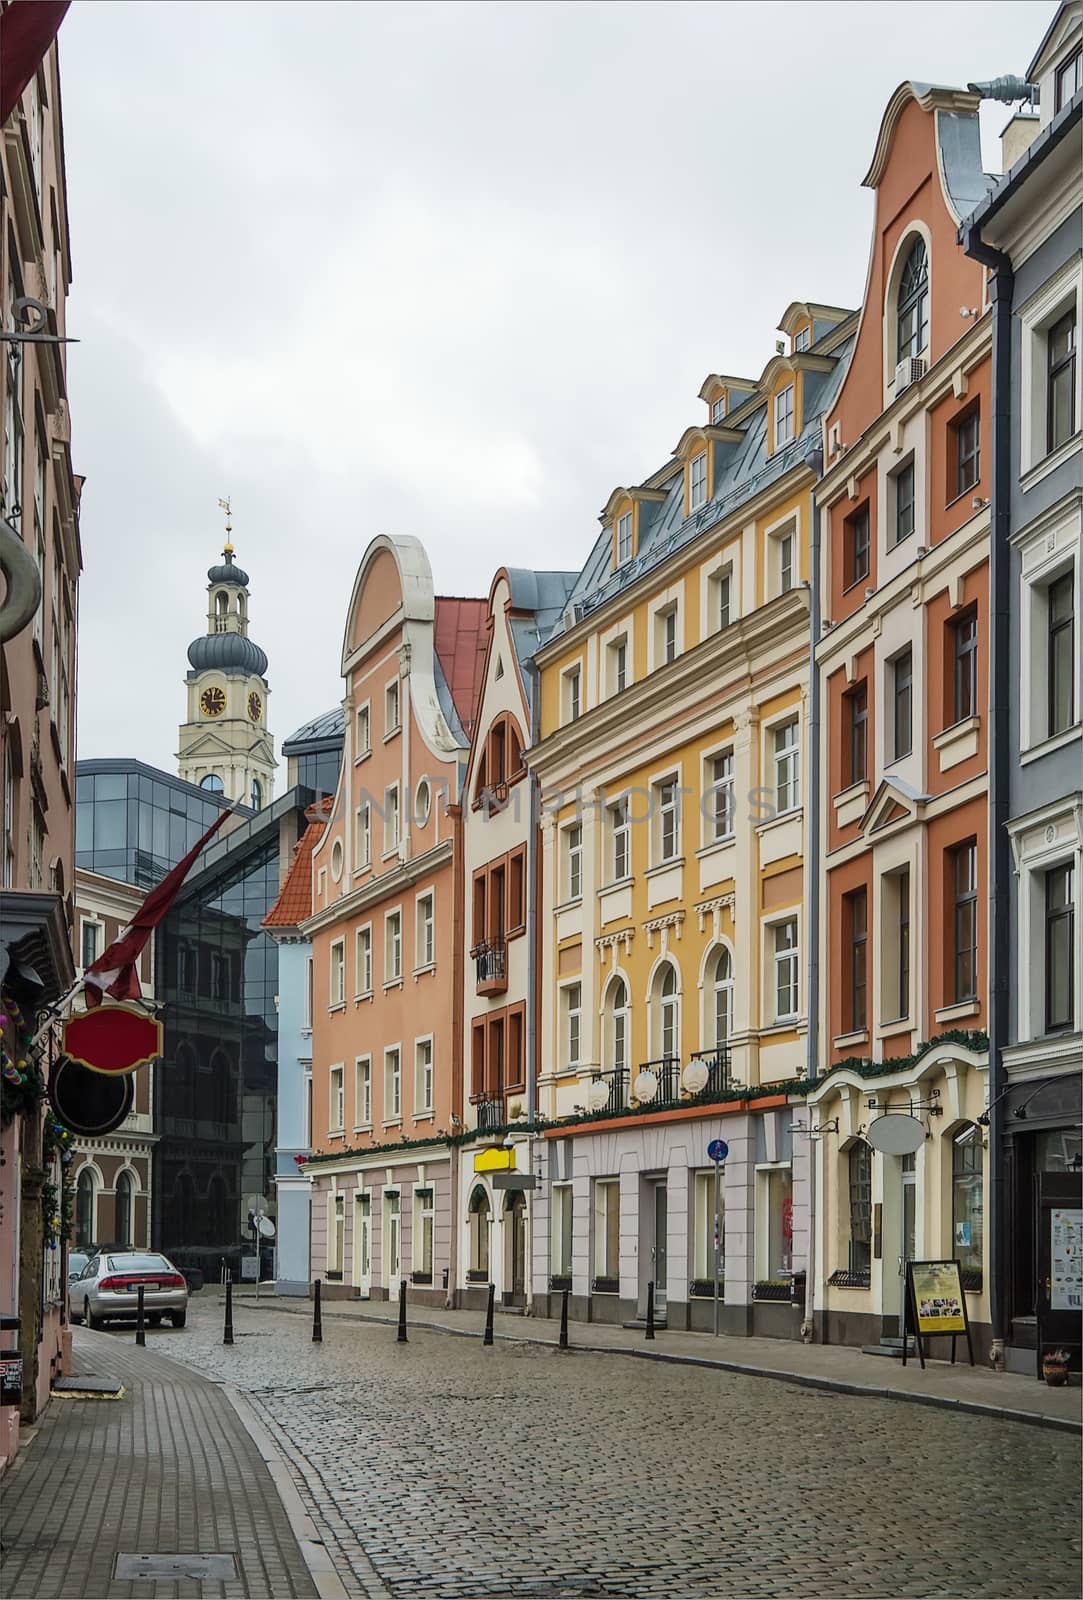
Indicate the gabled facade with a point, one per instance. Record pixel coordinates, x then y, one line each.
673 761
386 934
903 668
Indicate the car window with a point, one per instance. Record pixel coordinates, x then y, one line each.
76 1263
91 1268
135 1262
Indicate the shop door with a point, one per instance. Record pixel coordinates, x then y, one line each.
661 1227
363 1245
1059 1255
517 1218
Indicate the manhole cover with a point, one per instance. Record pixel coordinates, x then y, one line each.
168 1569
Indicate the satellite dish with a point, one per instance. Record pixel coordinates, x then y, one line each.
266 1227
694 1077
89 1103
645 1086
598 1095
896 1134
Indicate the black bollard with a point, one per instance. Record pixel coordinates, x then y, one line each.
488 1336
317 1317
402 1339
564 1321
227 1333
650 1310
140 1321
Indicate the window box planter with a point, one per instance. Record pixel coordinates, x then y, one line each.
844 1279
474 1276
605 1286
703 1288
560 1281
422 1277
773 1289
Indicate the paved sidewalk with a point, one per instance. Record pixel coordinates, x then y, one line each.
168 1469
840 1368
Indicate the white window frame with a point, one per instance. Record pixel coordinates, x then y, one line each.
363 836
392 1242
336 1099
802 339
718 409
392 947
362 963
784 412
425 931
716 988
617 658
392 708
571 693
617 1026
606 1196
307 998
670 601
1034 854
1041 566
392 819
571 1023
1036 316
392 1084
362 731
697 482
624 538
336 991
424 1075
563 1201
618 817
571 865
667 819
790 757
362 1102
720 779
790 958
424 1223
99 938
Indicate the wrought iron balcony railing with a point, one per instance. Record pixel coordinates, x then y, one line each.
491 966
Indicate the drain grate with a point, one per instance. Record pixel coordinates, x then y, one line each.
170 1569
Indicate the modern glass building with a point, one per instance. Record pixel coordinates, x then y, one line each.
314 753
134 823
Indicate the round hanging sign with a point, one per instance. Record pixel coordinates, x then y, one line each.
645 1086
896 1134
695 1077
598 1094
89 1103
113 1039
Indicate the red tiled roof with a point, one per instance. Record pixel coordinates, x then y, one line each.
294 901
461 634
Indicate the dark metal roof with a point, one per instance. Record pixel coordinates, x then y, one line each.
227 571
324 732
227 652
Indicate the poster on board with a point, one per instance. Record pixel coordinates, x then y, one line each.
1066 1259
938 1302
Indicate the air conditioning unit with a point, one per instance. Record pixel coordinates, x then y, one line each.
573 613
908 372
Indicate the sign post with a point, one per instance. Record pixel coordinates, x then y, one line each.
717 1151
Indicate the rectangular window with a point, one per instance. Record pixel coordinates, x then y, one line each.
723 813
697 482
1067 80
856 536
857 731
363 962
620 834
784 416
624 538
787 757
897 981
860 1187
560 1233
1059 948
776 1192
572 997
967 1221
902 700
573 862
607 1230
423 1075
723 598
963 861
965 651
393 947
392 1085
801 339
393 1220
1060 395
784 546
905 502
856 925
309 993
967 440
666 625
392 715
391 819
668 801
363 740
785 949
517 888
618 666
337 1103
573 700
363 1092
1060 604
92 936
424 1223
425 953
338 973
363 836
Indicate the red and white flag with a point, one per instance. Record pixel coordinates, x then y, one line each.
114 973
27 29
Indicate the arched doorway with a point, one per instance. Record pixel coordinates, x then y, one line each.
515 1265
478 1220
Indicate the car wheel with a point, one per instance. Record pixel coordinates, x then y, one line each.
89 1318
179 1318
154 1319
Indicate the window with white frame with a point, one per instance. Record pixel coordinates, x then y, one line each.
309 991
392 819
572 694
393 1232
91 936
363 1091
363 835
722 812
1050 392
620 840
718 409
336 1107
337 995
393 947
703 1227
666 1013
697 481
618 1034
573 861
363 961
665 634
785 739
571 999
560 1231
617 658
666 797
721 997
1059 907
392 709
306 1109
607 1230
336 1234
783 557
424 1227
784 947
423 1075
624 538
1060 652
425 953
393 1084
784 415
801 340
363 731
721 593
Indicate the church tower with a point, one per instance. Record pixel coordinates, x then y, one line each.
225 745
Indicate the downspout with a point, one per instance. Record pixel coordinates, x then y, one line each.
1001 288
458 1024
532 972
812 877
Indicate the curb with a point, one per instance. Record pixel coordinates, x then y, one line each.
1035 1419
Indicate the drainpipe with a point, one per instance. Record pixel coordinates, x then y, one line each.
1001 287
812 874
532 971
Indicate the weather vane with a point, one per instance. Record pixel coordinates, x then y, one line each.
228 509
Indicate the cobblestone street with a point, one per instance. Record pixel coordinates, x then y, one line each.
443 1470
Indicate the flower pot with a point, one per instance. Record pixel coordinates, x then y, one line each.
1054 1372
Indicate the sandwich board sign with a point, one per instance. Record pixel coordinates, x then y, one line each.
934 1306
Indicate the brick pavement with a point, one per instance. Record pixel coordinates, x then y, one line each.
439 1470
169 1468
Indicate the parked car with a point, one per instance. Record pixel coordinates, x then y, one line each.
108 1288
77 1260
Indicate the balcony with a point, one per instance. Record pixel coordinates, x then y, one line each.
490 1111
491 967
707 1078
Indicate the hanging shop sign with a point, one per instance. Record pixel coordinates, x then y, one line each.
113 1038
495 1159
896 1134
89 1103
935 1305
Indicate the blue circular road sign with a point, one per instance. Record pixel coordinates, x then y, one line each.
718 1150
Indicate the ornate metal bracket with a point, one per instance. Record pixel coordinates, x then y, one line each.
36 316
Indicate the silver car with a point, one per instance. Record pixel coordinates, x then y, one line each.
108 1288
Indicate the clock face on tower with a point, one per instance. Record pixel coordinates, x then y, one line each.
255 707
212 702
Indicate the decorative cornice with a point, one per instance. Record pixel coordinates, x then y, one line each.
662 925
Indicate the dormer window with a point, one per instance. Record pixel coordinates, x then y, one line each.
1068 79
784 416
697 481
802 339
624 538
913 306
718 408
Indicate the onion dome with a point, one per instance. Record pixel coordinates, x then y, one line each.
227 652
227 571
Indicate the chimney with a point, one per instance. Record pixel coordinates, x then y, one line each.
1018 137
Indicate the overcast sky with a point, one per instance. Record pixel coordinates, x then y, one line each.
453 270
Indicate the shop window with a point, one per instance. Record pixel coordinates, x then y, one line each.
336 1235
424 1223
607 1232
967 1225
560 1231
859 1172
393 1233
478 1219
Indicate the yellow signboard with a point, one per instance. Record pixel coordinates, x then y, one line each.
938 1297
495 1159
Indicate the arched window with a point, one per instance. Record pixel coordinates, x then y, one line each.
913 303
123 1229
221 603
84 1208
212 782
967 1216
722 997
617 1029
479 1231
860 1183
667 1013
257 794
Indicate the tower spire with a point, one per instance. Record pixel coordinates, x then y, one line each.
226 506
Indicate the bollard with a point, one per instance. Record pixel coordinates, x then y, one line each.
317 1316
402 1312
488 1335
564 1321
227 1333
650 1310
140 1320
